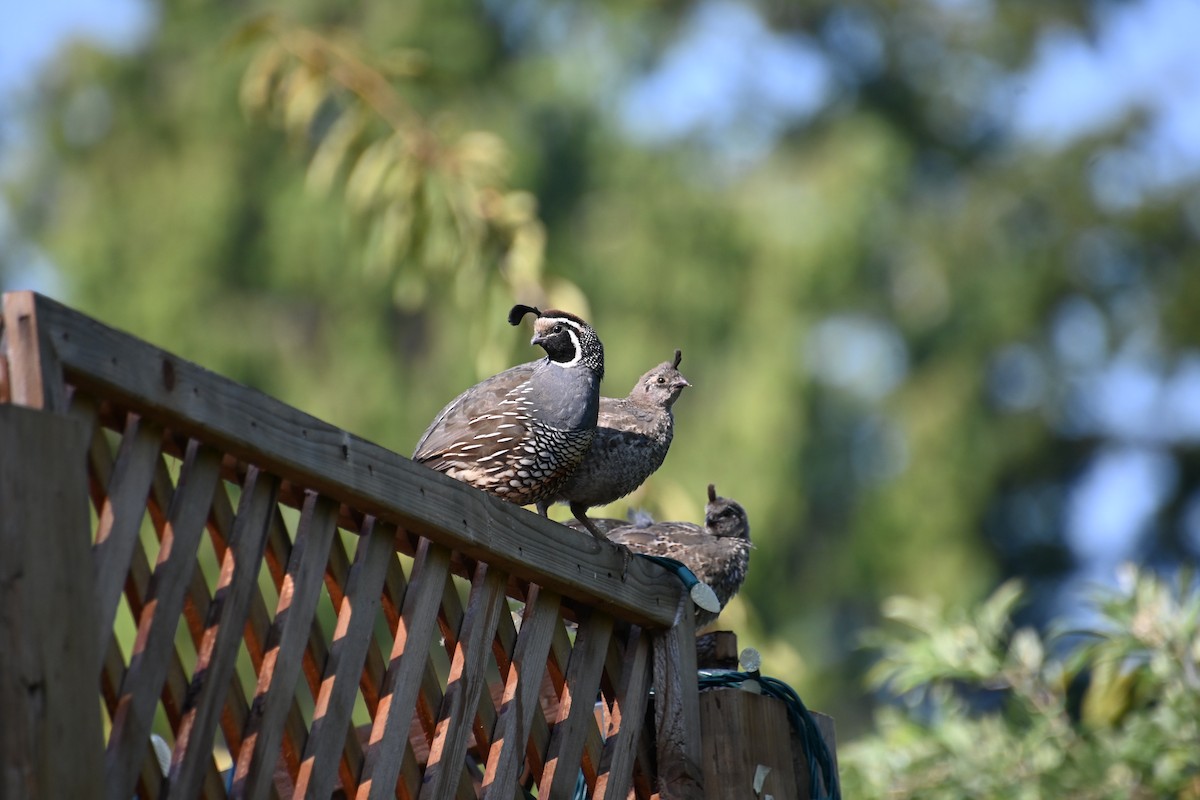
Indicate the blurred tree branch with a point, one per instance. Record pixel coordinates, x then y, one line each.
428 206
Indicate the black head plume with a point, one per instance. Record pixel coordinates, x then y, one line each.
518 313
678 355
712 492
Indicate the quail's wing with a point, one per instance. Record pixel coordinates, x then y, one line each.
621 428
463 416
660 539
619 414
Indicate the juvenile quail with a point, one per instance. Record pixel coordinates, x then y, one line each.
520 434
633 435
718 553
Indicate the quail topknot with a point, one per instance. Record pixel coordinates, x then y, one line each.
633 435
520 434
718 553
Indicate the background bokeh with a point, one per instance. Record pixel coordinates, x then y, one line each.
932 264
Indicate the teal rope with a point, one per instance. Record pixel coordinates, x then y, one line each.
701 593
816 751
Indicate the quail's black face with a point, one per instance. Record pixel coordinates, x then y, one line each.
568 340
559 337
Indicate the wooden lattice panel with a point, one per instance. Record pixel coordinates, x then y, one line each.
295 612
430 732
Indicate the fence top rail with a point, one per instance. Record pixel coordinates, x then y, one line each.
261 430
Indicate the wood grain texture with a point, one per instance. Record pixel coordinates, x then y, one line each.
553 684
676 710
257 621
277 557
337 574
222 637
465 684
50 738
112 674
392 598
347 655
154 646
5 385
626 720
303 450
286 643
565 753
409 660
740 731
429 697
522 689
451 620
34 374
120 519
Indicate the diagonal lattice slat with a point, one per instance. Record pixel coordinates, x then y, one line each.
521 693
223 633
398 698
285 648
359 606
466 682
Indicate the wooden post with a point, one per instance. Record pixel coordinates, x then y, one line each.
51 737
676 712
34 375
747 746
750 749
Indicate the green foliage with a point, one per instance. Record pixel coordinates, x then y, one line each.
426 207
988 712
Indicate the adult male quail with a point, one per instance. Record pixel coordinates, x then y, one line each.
633 435
520 434
718 553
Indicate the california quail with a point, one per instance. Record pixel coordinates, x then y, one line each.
633 435
520 434
718 553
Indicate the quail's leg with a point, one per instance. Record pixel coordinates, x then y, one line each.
580 512
543 508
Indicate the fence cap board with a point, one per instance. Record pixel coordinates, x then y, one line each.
302 449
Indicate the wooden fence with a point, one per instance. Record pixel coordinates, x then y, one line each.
258 604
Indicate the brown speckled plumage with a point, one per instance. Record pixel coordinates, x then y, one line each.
718 553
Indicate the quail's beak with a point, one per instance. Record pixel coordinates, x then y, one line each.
680 384
536 340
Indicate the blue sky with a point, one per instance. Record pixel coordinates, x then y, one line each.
33 32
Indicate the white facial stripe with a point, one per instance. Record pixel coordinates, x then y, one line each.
564 321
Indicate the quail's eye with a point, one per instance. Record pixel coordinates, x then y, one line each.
557 328
661 380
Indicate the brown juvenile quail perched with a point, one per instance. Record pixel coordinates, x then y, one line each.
718 553
633 435
520 434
